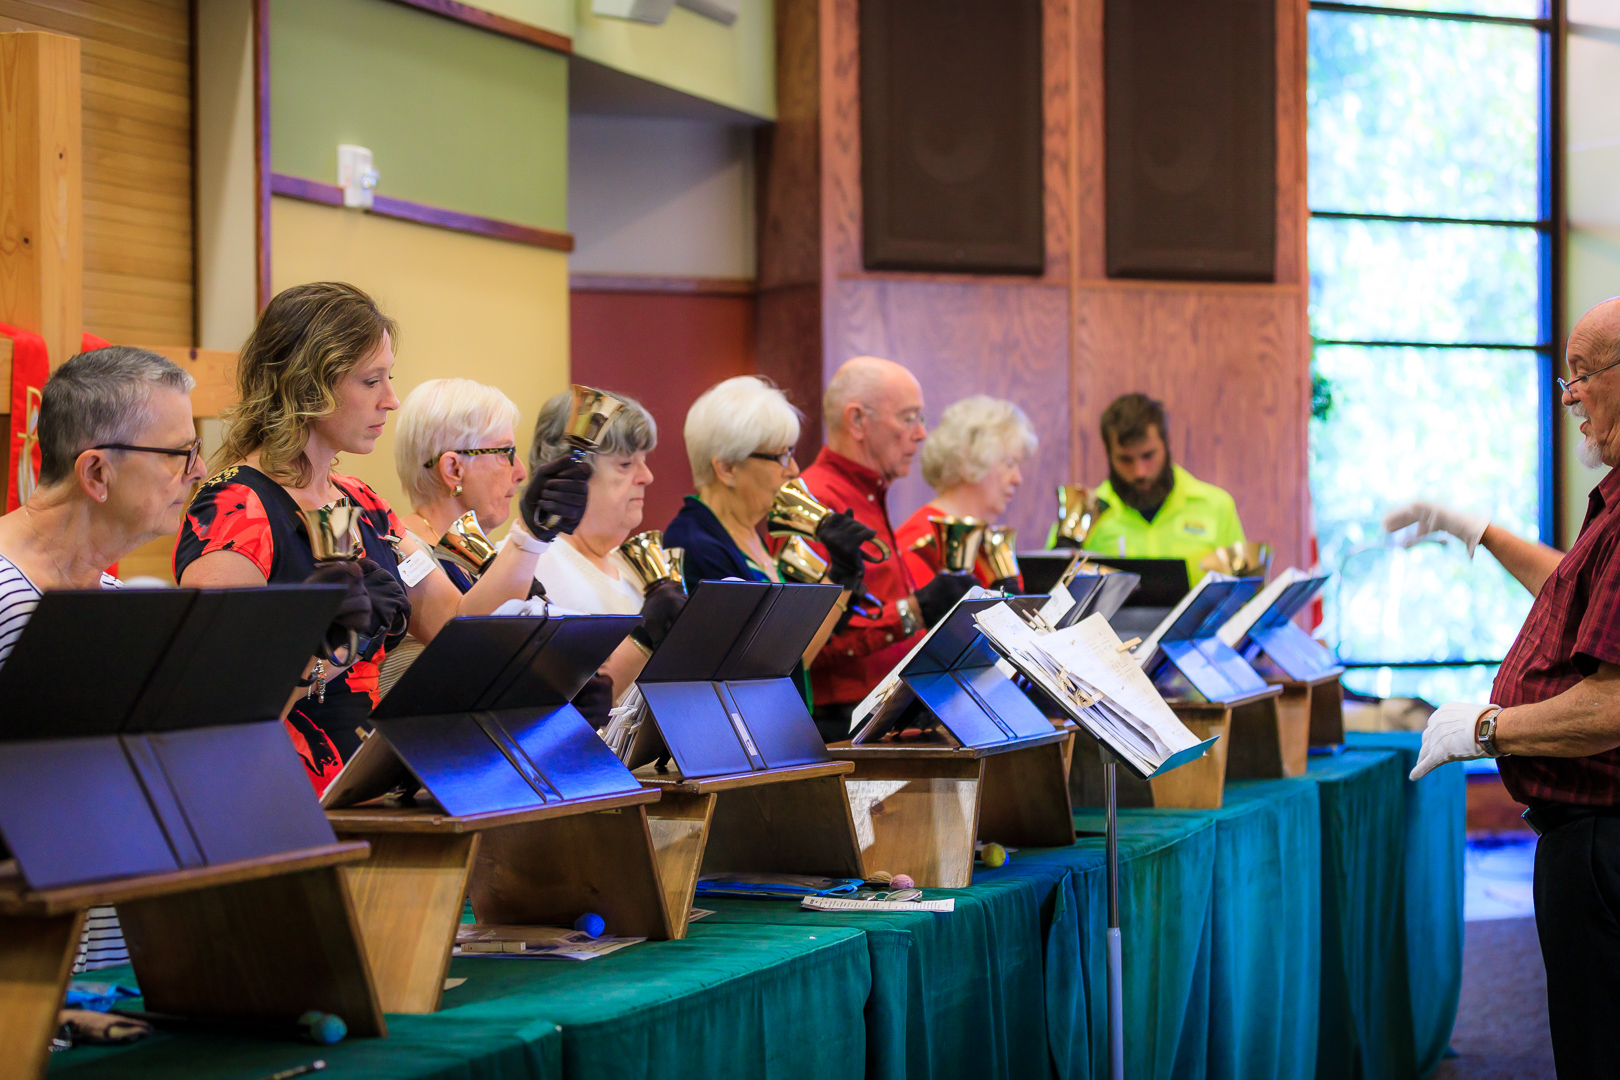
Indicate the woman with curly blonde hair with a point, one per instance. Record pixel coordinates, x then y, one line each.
314 381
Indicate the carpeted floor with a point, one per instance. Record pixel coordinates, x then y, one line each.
1501 1031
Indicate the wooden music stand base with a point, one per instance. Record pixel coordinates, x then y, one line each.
919 809
261 940
1270 737
780 821
542 866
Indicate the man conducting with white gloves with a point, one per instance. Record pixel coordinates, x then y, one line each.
1554 719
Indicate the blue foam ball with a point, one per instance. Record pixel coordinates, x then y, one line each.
591 923
322 1027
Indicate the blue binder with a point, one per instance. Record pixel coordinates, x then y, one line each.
1278 648
1192 663
171 757
720 689
483 719
955 678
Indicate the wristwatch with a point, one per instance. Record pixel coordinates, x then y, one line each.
910 615
1485 732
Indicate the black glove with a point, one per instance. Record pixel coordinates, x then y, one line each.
843 536
658 611
355 611
935 599
595 700
556 489
390 609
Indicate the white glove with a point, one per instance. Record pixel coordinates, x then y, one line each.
1449 736
1432 517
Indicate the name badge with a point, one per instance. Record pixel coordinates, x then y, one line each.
415 568
1194 528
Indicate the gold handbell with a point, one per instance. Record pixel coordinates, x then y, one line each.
957 540
1247 559
796 512
999 551
799 562
645 554
677 563
592 412
465 545
334 532
1078 511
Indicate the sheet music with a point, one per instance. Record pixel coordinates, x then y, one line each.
1100 687
624 721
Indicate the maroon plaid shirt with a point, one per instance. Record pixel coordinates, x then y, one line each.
1574 624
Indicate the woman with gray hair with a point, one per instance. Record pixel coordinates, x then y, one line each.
581 571
118 456
973 460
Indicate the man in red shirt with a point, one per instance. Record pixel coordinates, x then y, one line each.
874 413
1555 717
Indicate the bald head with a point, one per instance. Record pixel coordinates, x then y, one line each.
1594 397
874 414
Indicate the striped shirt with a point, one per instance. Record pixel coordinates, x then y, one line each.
18 599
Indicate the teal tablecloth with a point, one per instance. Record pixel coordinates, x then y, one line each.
755 1001
1436 816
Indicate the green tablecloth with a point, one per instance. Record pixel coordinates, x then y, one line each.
755 1001
1436 815
953 995
1366 1014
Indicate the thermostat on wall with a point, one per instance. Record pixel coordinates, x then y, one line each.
645 11
719 10
356 176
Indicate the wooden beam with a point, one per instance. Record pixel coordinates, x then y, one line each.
41 189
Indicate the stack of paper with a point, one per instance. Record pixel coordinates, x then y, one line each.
1085 669
536 942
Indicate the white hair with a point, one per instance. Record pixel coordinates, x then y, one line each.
971 437
736 418
439 416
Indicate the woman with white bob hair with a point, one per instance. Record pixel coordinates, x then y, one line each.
973 460
455 448
739 438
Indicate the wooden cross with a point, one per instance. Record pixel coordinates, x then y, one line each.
41 236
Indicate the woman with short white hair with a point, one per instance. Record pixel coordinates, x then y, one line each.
739 438
455 449
973 460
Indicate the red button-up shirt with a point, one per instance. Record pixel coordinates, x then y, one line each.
1573 625
856 659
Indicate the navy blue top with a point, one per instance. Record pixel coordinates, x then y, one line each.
711 553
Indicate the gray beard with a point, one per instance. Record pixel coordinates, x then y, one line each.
1589 454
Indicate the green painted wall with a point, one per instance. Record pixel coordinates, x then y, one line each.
733 65
456 117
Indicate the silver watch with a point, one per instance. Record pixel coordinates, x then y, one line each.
1485 733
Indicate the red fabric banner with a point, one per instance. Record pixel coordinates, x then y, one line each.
30 367
89 341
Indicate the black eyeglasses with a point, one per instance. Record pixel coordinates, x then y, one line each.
1568 386
191 451
784 459
509 451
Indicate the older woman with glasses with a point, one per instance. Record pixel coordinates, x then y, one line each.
455 448
118 456
973 460
582 572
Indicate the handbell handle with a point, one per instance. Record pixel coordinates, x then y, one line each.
866 606
578 455
883 551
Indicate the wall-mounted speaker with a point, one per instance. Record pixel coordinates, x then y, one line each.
1192 139
951 165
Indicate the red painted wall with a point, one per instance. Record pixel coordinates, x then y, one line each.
663 350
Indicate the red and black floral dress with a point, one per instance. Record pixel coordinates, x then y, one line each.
244 511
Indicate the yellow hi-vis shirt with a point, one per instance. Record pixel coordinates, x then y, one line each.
1196 518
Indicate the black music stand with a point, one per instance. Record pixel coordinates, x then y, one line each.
144 765
979 760
753 788
1311 709
483 721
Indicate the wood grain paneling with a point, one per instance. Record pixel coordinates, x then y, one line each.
1228 363
136 69
663 349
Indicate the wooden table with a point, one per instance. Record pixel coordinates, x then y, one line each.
777 821
540 866
258 940
919 808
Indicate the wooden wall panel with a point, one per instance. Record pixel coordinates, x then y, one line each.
963 338
136 67
1226 362
664 350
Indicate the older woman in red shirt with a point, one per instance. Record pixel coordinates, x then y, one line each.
973 461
